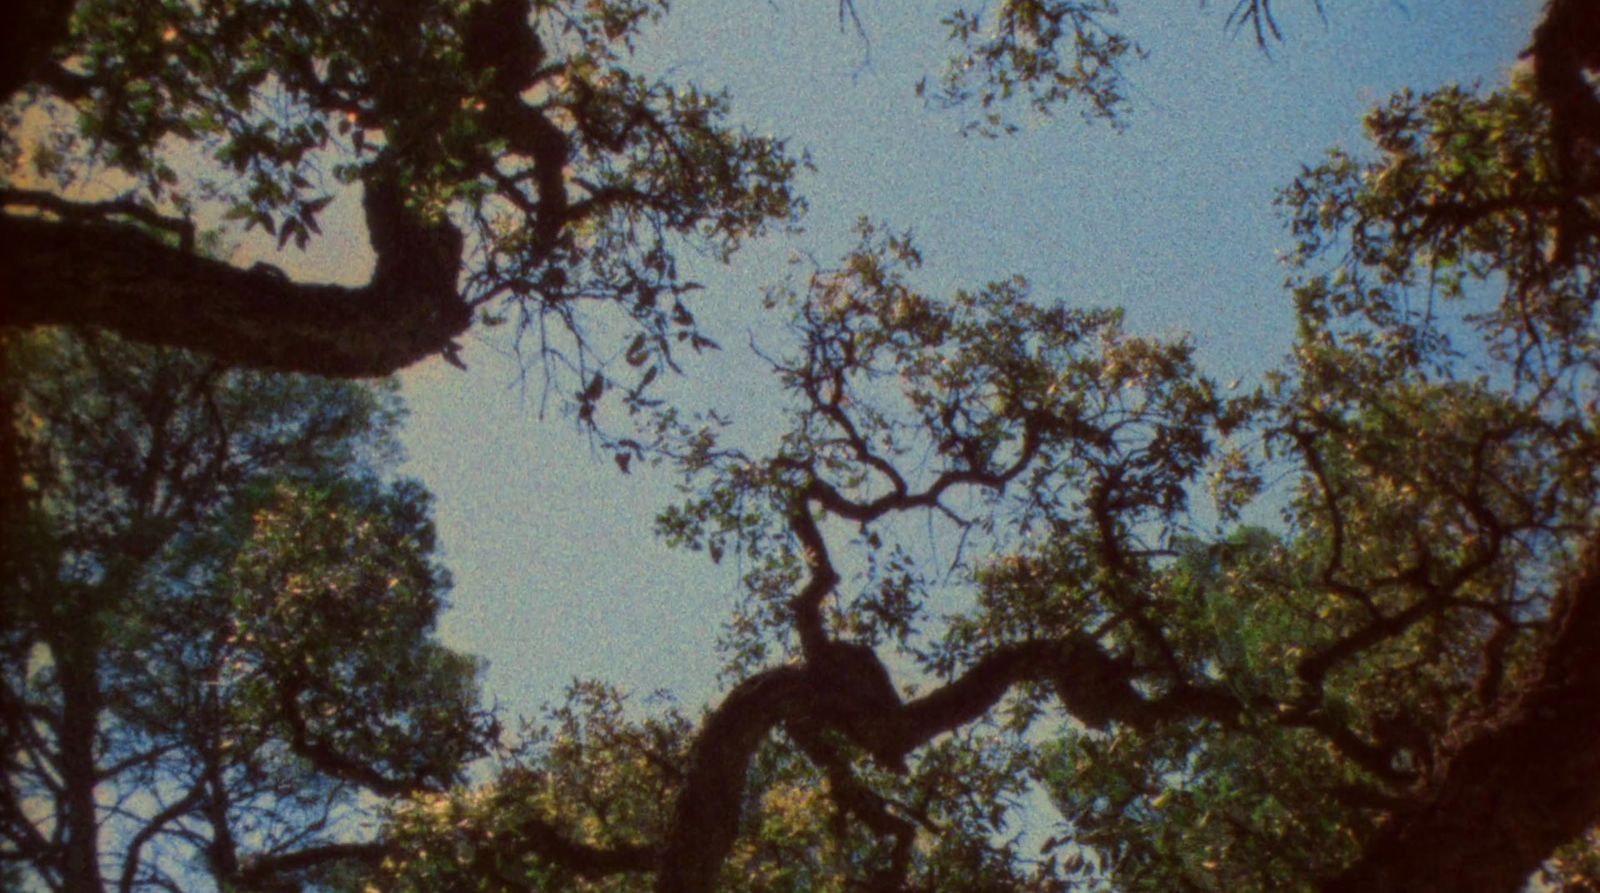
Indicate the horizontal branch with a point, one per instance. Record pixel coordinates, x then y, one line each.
330 760
265 867
64 269
1093 686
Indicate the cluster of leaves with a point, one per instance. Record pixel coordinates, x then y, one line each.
590 777
335 596
900 398
1443 444
1051 54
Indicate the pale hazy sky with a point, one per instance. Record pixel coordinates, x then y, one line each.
558 574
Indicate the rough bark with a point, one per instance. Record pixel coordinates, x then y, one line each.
1512 786
1565 47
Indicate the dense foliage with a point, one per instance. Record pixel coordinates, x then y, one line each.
1391 685
218 621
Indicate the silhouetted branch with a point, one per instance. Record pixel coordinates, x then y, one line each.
76 270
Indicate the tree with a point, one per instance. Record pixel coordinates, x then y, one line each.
218 634
1394 689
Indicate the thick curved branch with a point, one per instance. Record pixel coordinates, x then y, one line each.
65 270
1512 786
1095 687
1565 46
705 822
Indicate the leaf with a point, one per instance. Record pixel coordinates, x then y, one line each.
291 226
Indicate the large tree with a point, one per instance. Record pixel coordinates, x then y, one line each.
217 624
1395 689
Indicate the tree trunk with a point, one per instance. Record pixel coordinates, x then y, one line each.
80 710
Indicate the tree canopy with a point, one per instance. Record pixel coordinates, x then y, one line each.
217 627
1396 686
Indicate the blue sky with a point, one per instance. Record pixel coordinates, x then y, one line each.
557 572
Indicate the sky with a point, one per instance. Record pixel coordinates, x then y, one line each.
558 573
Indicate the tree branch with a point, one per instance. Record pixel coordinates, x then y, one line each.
545 841
328 759
263 867
705 820
134 853
29 32
72 269
1094 686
